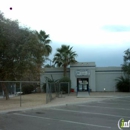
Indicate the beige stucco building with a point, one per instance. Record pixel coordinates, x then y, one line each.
86 75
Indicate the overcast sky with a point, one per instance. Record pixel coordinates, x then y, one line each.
98 30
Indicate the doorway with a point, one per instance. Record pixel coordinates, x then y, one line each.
82 84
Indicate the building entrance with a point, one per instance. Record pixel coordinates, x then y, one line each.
82 84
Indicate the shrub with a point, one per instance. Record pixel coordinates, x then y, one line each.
64 86
123 84
27 89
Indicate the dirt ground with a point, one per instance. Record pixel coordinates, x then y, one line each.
30 100
39 99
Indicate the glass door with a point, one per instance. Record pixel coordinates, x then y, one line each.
82 84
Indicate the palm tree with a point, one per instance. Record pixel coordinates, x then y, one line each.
44 39
64 57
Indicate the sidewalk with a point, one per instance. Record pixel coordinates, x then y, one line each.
72 99
94 96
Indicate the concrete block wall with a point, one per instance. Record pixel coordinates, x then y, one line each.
105 78
57 73
100 77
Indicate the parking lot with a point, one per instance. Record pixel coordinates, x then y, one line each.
97 115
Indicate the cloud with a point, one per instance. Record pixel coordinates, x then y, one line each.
116 28
103 56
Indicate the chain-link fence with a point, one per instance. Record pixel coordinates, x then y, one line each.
21 94
29 93
51 91
11 87
56 89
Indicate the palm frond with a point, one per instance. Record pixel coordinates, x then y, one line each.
64 56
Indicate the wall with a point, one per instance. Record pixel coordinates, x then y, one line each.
57 73
100 77
83 65
105 78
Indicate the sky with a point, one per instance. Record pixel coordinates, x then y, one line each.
98 30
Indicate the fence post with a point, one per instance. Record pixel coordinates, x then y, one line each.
46 91
20 94
15 89
3 94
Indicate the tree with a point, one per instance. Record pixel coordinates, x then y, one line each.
123 82
64 56
20 51
44 39
126 65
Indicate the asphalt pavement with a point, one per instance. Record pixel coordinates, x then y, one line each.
103 114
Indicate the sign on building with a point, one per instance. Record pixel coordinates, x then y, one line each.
82 73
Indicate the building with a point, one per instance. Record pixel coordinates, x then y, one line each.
86 74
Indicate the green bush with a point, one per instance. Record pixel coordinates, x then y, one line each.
27 89
123 84
64 86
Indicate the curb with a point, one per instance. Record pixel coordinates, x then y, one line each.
97 98
48 106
